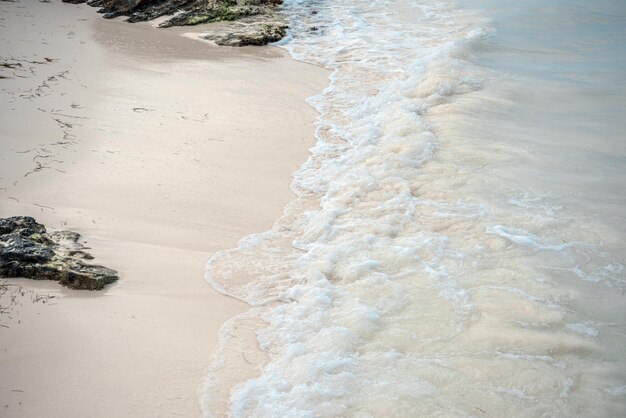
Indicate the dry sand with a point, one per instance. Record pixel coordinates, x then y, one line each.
159 150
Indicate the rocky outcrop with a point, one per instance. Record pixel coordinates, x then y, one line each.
248 33
28 250
261 24
142 10
217 12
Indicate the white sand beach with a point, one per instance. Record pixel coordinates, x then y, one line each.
437 231
159 150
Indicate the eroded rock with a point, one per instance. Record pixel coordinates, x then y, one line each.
184 12
28 250
260 21
242 34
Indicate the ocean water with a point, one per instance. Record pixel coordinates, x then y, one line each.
458 240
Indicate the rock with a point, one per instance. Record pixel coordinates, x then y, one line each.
210 15
28 250
243 34
262 23
186 12
142 10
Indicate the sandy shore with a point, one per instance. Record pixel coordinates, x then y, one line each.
159 150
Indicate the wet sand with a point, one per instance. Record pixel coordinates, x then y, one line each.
159 150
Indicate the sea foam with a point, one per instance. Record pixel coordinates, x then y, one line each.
395 284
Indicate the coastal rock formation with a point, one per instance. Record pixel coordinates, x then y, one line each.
28 250
261 23
248 33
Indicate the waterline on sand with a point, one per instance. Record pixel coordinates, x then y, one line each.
457 243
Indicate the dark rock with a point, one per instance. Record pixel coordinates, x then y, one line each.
188 12
21 224
28 250
22 249
141 10
263 23
242 34
210 15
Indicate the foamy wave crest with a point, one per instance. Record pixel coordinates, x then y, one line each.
385 289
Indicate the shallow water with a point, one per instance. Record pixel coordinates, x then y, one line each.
457 245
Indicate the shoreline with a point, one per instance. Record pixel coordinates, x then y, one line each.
170 150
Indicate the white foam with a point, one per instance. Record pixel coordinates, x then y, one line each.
583 329
616 391
526 239
387 288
